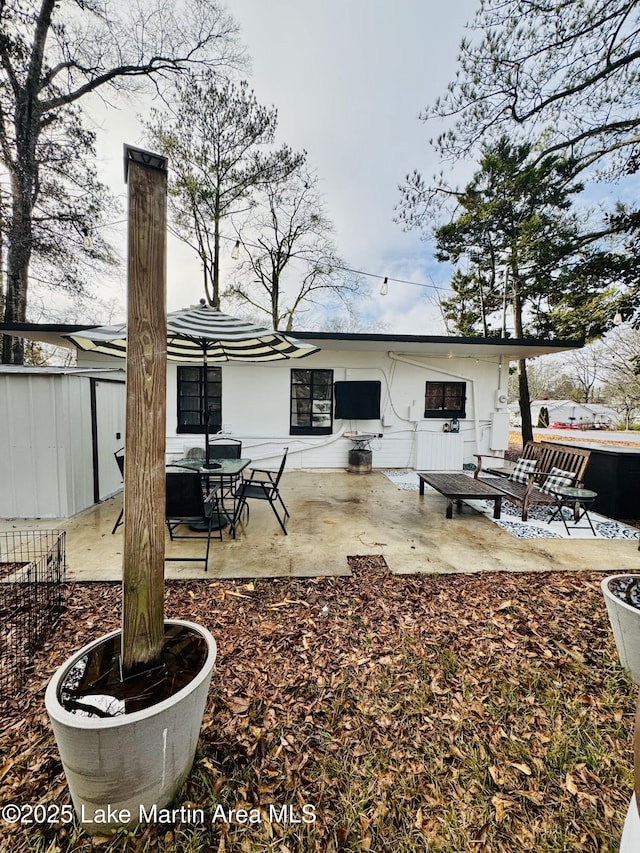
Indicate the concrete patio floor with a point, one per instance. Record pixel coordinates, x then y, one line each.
335 515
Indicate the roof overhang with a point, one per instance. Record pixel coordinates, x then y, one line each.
47 333
434 345
425 345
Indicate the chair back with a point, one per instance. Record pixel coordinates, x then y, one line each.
119 456
194 453
225 448
184 495
281 468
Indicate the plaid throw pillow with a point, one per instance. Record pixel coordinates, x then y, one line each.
523 468
557 479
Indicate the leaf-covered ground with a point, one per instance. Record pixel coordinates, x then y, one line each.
408 713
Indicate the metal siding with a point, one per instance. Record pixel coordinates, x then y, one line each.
110 402
31 486
45 458
73 413
7 486
439 451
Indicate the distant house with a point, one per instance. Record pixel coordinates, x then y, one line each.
431 401
576 415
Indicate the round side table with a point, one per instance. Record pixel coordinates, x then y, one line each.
580 501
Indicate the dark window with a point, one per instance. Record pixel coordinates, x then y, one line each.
191 413
445 399
311 402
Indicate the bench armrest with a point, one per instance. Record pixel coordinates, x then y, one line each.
480 456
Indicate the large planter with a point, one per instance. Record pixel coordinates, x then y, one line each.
625 624
630 841
122 769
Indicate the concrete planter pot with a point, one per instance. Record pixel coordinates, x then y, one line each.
120 769
625 624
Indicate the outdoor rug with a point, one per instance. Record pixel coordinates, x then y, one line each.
537 526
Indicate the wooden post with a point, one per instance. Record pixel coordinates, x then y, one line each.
144 471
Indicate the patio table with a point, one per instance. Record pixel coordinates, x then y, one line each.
579 501
226 472
457 487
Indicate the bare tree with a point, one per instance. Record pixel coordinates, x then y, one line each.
292 263
52 55
585 367
219 141
622 374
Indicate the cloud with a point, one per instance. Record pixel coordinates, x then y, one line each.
348 80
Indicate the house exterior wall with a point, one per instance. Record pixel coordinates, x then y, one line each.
256 404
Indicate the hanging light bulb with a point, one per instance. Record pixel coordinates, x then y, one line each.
384 287
87 242
235 252
617 320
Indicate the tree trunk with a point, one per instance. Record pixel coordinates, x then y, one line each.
18 258
525 402
523 380
216 256
23 171
275 298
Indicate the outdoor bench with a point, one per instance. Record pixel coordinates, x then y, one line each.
547 455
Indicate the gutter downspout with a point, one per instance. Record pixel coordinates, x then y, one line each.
395 357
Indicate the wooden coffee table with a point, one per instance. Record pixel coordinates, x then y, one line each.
457 487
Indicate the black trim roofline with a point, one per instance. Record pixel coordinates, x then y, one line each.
59 328
436 339
560 343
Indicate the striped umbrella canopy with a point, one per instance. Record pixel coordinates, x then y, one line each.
201 334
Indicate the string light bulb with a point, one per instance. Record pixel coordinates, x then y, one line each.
384 287
235 252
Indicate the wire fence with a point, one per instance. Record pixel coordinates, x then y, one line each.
32 573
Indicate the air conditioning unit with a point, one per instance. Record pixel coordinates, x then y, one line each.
501 399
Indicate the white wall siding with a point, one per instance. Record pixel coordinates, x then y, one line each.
30 455
74 430
46 444
439 451
256 404
110 418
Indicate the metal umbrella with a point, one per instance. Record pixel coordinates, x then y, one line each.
204 335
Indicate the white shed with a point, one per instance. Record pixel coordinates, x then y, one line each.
59 429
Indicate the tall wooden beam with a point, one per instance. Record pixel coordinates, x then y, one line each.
144 472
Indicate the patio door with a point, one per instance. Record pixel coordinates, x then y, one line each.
108 419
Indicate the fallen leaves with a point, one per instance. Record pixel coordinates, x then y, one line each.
454 713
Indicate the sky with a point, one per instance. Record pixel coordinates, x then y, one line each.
349 78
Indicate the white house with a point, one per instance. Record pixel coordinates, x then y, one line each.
586 415
433 402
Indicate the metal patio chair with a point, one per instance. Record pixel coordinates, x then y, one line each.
187 505
119 456
263 485
194 453
225 448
